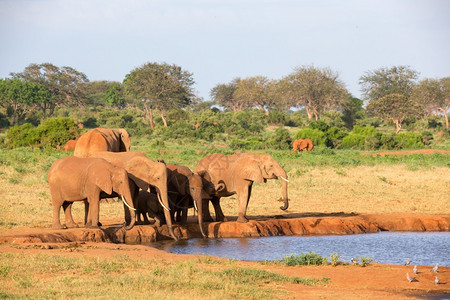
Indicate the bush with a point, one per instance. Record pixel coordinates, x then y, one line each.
353 141
305 259
52 133
315 135
280 139
409 140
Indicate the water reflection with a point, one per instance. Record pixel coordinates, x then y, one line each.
384 247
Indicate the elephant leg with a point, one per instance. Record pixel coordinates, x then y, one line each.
244 197
220 217
93 214
206 214
56 209
70 223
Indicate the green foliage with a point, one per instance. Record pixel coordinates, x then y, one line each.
281 139
335 259
409 140
305 259
51 133
315 135
365 260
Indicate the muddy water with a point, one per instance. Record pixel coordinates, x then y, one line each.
385 247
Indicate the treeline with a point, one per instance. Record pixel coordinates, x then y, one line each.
160 100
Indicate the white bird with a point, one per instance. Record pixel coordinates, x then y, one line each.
415 270
410 279
407 262
436 280
354 261
435 268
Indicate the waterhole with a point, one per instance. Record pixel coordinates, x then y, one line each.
384 247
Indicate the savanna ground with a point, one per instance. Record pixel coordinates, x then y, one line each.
322 181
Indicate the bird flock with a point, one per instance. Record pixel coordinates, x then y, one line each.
415 271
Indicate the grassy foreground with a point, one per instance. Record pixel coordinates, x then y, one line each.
120 277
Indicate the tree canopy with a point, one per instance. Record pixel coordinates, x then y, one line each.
19 97
159 86
64 83
315 89
384 81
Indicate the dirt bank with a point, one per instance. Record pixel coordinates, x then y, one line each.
259 226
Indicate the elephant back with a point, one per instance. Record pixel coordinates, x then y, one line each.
102 139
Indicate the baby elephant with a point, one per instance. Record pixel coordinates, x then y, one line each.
147 203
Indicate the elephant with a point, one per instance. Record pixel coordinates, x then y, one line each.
102 139
303 144
144 173
70 146
235 174
187 189
76 179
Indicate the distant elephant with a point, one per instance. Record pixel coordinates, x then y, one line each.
76 179
70 146
302 144
235 174
144 173
187 189
102 139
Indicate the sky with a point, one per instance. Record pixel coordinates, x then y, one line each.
218 40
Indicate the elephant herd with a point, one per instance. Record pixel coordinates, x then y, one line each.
103 167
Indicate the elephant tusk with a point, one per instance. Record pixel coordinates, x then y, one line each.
123 199
195 206
284 179
160 202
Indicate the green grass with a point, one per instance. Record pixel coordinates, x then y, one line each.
305 259
120 277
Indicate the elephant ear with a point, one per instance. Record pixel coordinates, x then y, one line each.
249 169
103 179
178 181
125 139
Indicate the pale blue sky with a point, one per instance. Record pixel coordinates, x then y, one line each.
219 40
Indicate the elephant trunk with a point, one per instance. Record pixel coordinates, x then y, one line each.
164 199
198 202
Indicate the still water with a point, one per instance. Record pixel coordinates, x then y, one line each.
384 247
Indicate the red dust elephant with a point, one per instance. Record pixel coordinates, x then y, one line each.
302 144
70 146
102 139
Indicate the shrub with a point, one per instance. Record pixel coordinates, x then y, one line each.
409 140
365 261
21 135
353 141
280 139
305 259
55 132
315 135
52 133
320 125
334 137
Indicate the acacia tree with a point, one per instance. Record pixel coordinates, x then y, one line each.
384 81
256 91
395 107
64 83
159 86
19 97
314 89
224 95
114 96
434 96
